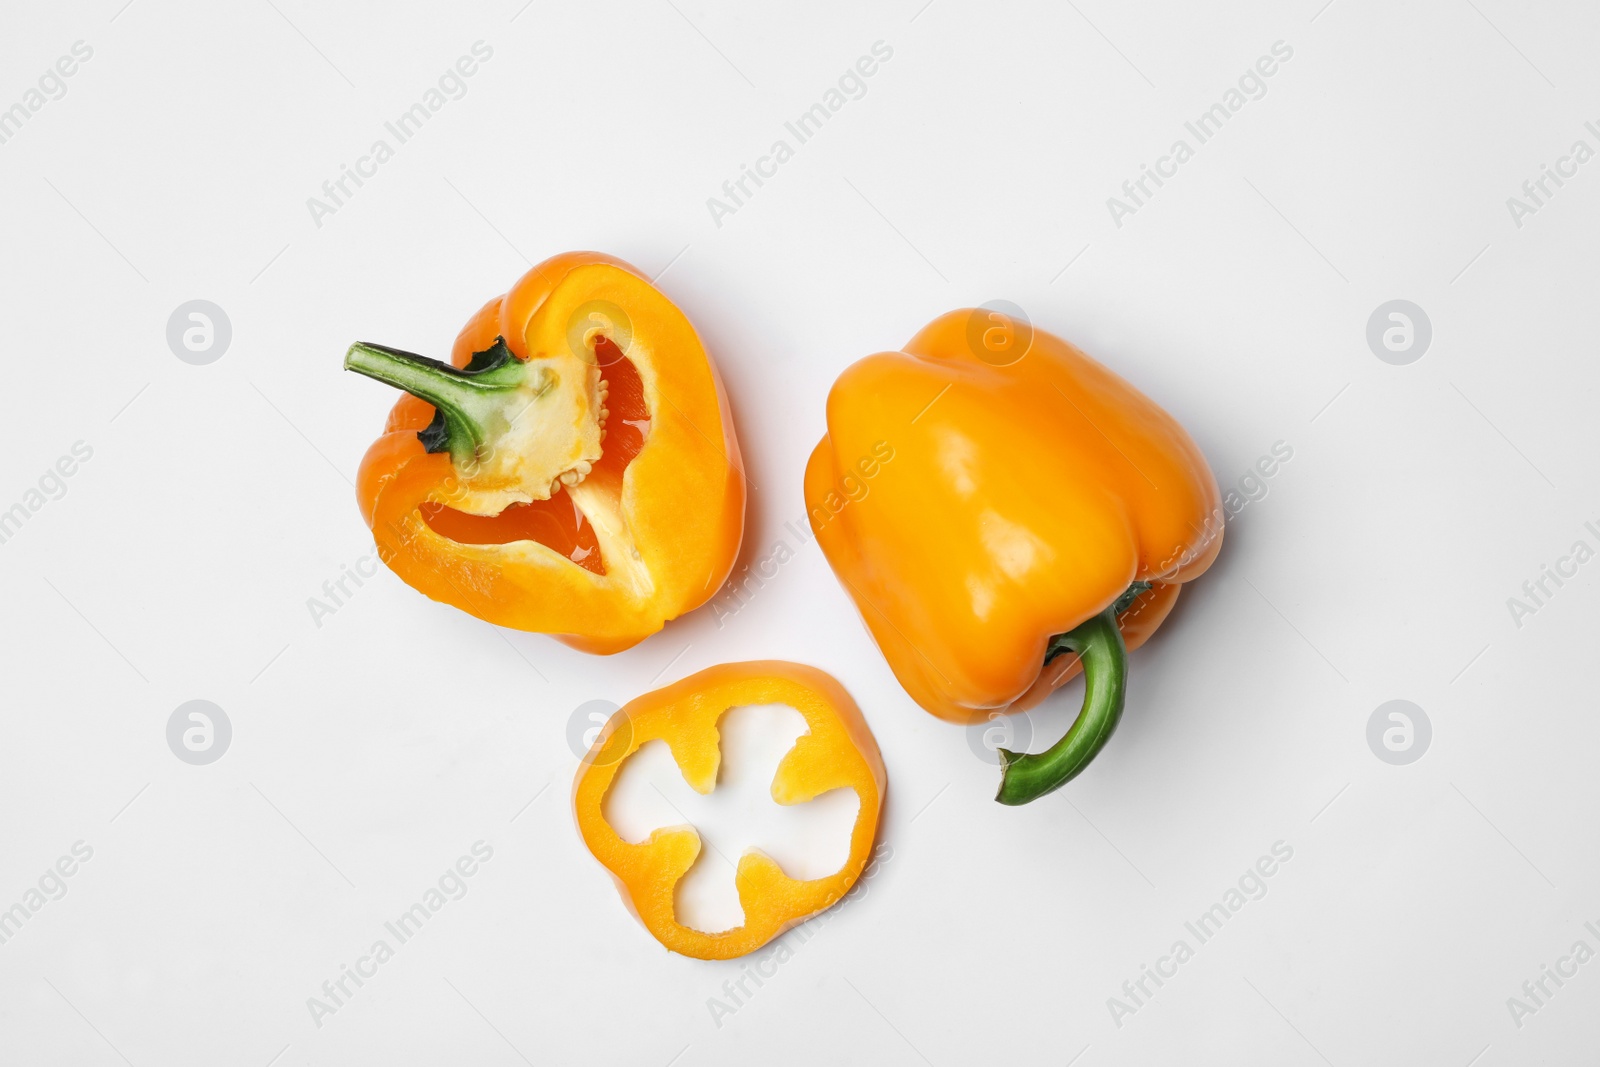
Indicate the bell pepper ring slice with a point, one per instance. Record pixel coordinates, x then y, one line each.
837 752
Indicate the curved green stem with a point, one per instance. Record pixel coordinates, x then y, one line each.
468 402
1026 777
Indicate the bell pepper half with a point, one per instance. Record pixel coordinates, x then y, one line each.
837 752
1038 518
572 470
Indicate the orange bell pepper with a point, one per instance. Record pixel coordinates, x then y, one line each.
1039 516
572 471
838 752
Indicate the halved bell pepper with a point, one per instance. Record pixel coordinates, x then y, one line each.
573 470
1038 517
837 752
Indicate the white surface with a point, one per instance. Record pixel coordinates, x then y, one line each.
371 752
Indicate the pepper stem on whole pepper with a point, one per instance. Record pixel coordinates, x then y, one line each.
1025 777
473 404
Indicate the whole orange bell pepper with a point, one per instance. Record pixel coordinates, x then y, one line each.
837 752
1039 515
572 471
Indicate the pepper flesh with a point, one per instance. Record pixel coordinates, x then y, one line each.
595 496
1024 498
837 752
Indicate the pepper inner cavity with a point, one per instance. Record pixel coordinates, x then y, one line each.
558 523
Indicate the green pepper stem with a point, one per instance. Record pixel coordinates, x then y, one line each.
467 400
1026 777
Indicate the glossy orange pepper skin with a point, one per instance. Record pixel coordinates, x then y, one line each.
837 752
1022 498
681 497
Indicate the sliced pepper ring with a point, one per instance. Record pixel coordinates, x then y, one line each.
838 751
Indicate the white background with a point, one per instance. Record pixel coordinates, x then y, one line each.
372 751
